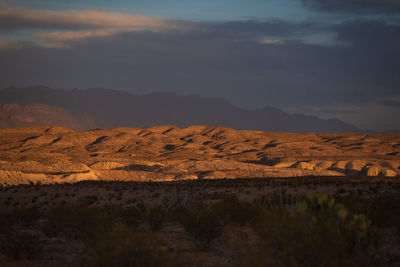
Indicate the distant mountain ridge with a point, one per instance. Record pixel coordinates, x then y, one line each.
15 116
120 108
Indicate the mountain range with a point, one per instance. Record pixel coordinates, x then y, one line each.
106 108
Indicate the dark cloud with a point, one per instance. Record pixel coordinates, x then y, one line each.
374 46
369 33
354 6
59 28
391 103
275 27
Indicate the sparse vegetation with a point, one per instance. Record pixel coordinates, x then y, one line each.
283 224
120 246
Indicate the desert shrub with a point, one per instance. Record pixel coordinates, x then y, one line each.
278 201
220 195
20 244
15 243
341 191
323 210
129 216
156 212
89 200
233 211
120 246
202 222
384 211
321 233
75 220
27 216
7 222
153 215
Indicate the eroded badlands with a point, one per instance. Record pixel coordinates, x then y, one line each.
166 153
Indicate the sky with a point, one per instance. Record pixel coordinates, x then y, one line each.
328 58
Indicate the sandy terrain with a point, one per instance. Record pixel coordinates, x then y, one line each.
166 153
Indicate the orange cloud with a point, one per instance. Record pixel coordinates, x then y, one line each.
6 45
79 24
61 39
16 17
272 42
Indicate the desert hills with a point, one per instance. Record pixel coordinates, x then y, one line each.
165 153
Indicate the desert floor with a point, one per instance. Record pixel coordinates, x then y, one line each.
307 221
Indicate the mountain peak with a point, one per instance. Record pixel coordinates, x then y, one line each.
121 108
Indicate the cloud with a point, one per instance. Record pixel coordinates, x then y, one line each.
271 27
77 25
25 18
369 33
354 6
391 103
73 26
272 42
62 39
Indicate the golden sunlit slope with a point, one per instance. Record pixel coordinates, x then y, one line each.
166 153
